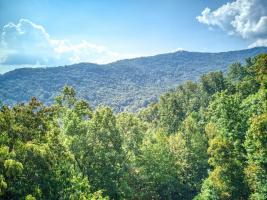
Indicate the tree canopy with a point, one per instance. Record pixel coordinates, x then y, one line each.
203 140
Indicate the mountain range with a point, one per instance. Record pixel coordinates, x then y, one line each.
128 84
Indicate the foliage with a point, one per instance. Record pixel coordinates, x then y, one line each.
204 140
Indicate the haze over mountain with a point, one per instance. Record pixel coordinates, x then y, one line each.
124 85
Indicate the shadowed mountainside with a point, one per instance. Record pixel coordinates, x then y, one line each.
124 85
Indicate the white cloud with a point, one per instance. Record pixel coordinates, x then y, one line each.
179 49
29 43
84 51
259 43
245 18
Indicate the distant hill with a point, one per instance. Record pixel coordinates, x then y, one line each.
124 85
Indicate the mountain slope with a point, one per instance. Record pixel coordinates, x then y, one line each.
124 85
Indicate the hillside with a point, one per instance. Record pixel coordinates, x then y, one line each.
204 140
123 85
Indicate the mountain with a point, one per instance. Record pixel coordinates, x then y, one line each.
124 85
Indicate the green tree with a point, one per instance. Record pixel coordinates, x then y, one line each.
174 106
236 72
256 146
103 156
132 130
34 162
213 82
157 169
226 133
190 149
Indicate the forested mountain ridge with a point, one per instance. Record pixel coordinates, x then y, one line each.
204 140
124 85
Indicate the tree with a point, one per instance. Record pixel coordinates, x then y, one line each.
132 131
174 106
236 72
34 162
190 150
157 169
103 155
213 82
226 133
256 147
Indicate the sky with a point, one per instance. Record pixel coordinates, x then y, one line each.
57 32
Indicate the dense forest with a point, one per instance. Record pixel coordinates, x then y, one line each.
125 85
204 140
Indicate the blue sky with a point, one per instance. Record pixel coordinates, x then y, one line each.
106 30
